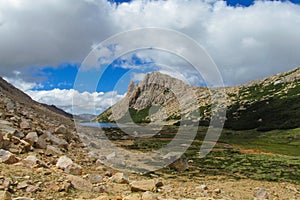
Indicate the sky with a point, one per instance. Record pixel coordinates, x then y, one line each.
45 53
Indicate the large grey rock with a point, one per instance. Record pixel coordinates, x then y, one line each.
7 157
79 183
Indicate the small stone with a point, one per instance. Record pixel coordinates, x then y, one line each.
32 189
261 194
217 191
79 183
31 138
95 178
61 130
149 196
22 185
41 143
6 183
52 150
63 162
30 161
135 196
120 178
108 173
100 189
5 195
105 197
73 169
65 186
7 157
145 185
25 124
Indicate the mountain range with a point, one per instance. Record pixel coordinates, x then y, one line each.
267 104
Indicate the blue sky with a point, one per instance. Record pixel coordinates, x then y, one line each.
42 52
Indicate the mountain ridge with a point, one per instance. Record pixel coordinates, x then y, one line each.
157 91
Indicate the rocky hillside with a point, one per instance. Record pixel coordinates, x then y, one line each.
271 103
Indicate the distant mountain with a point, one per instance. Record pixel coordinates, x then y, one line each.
270 103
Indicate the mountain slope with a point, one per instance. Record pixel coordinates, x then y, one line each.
270 103
20 107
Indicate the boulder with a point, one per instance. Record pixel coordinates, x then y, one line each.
63 162
61 143
32 138
41 143
53 150
73 169
7 157
145 185
30 161
79 183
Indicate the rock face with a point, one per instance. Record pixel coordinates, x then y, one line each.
162 99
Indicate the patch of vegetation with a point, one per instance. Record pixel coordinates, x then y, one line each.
104 117
270 114
282 164
138 116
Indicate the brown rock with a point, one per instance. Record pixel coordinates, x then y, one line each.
73 169
120 178
79 183
7 157
41 143
145 185
25 124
